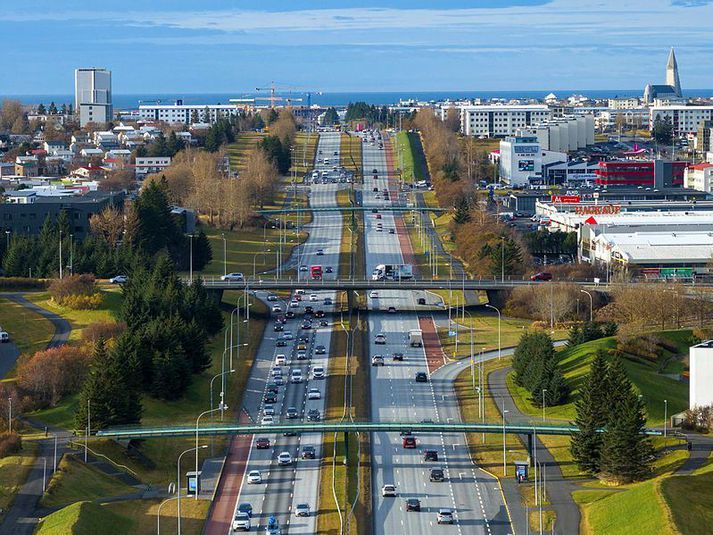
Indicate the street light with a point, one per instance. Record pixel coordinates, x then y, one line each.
221 407
191 258
9 415
7 240
502 258
225 254
504 451
591 304
499 339
178 481
158 514
544 391
665 417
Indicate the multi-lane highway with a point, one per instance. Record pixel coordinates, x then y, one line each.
472 495
285 486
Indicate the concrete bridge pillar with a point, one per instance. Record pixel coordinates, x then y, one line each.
498 298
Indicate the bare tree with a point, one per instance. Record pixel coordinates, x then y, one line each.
108 224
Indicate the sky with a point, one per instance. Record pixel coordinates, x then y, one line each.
217 46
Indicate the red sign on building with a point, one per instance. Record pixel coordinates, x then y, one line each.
566 199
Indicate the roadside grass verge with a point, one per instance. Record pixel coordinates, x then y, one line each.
239 151
409 156
350 153
305 146
13 473
690 500
74 482
28 330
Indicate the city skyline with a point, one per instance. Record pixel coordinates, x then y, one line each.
521 44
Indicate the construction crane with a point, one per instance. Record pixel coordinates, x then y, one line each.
274 98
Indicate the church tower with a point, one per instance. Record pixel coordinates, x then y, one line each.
672 74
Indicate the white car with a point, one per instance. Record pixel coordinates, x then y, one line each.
313 298
318 372
233 277
294 303
380 339
268 410
241 522
320 252
281 360
314 393
254 477
276 309
302 509
272 297
284 458
296 376
119 279
267 420
374 294
287 336
388 490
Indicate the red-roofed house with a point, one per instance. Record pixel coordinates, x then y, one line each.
698 177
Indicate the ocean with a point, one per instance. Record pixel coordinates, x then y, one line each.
132 101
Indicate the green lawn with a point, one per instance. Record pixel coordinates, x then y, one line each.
83 518
244 143
305 146
74 481
350 153
690 499
29 330
575 365
13 472
409 156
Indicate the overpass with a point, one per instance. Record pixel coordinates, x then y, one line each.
277 211
524 428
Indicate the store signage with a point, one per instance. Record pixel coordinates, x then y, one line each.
609 209
566 199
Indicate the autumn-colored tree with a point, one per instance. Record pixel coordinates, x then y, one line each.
118 180
108 224
284 127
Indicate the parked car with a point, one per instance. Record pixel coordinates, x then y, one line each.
233 277
119 279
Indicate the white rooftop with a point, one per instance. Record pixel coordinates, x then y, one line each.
674 247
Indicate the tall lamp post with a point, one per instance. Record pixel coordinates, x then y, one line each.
544 391
504 451
221 407
178 482
158 513
591 304
190 261
665 417
500 347
225 254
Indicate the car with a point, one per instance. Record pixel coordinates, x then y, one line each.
430 455
302 509
413 504
309 452
388 491
397 356
301 355
391 310
246 508
301 346
380 339
327 300
436 474
542 276
297 297
262 443
323 323
329 269
119 279
320 252
296 376
267 420
278 380
421 377
314 393
375 189
281 342
4 337
233 277
281 319
269 397
280 359
313 298
405 433
320 350
292 413
287 335
278 327
377 360
374 294
271 297
408 442
294 303
241 522
313 415
289 314
268 409
318 372
284 459
379 228
319 313
392 231
378 216
306 324
276 309
309 309
303 339
444 516
254 477
303 268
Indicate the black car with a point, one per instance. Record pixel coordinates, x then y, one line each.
421 377
405 433
269 397
292 413
309 309
319 313
278 328
430 455
245 508
323 323
397 356
272 387
309 452
289 434
320 350
289 314
375 171
281 343
306 324
412 504
329 269
303 340
436 474
313 415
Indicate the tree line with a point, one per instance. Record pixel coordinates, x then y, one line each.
536 366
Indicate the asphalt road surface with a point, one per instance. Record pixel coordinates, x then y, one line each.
283 487
472 495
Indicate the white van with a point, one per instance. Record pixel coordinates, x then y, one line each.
281 360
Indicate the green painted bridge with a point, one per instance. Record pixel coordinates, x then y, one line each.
277 211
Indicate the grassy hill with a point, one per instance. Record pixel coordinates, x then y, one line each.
84 518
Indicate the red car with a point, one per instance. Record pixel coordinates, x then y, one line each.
408 442
542 276
262 443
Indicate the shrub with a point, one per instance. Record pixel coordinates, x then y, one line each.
21 283
75 291
9 443
102 329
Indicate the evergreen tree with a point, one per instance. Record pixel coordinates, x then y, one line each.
173 144
206 115
462 211
107 392
63 109
157 227
41 109
272 116
212 140
277 152
159 147
331 117
662 130
171 373
202 251
505 250
52 109
194 117
592 415
195 345
258 123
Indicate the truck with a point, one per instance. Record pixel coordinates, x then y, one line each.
316 272
392 272
415 338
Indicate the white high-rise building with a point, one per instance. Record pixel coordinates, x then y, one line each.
92 95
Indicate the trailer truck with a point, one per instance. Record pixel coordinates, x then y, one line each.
392 272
